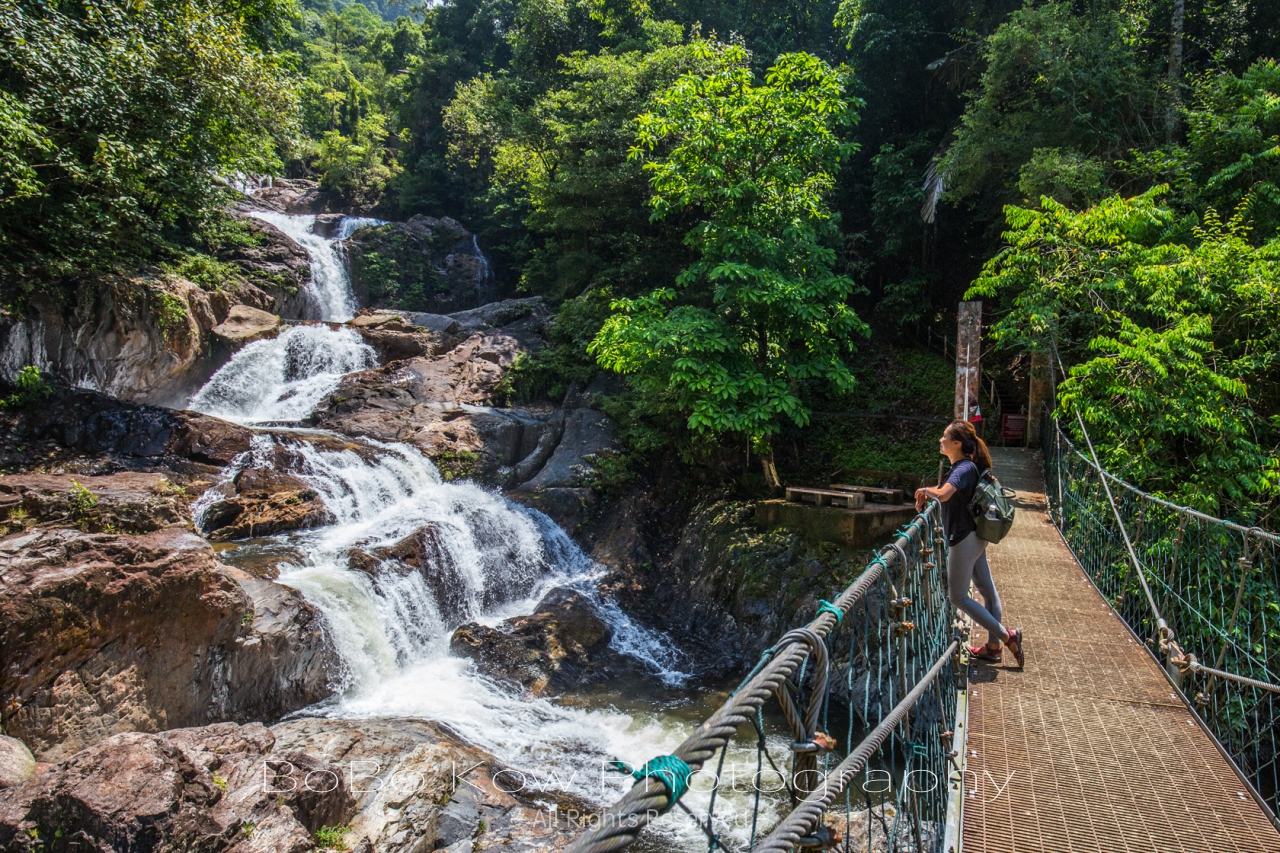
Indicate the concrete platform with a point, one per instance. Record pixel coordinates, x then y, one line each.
854 528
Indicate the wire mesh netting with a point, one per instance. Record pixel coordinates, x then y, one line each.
1216 583
884 677
894 636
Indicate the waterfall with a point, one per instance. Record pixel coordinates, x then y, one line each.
484 275
329 290
392 626
283 378
351 224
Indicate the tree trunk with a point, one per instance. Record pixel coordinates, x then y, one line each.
770 471
1172 122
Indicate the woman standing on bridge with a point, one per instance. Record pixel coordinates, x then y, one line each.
967 554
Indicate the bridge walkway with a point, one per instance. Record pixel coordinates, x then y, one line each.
1088 748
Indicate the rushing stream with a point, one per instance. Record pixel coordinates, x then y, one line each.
494 559
330 297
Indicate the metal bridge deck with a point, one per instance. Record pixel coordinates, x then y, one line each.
1087 748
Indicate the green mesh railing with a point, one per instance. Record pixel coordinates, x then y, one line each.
1215 583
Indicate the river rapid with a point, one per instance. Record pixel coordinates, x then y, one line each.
392 629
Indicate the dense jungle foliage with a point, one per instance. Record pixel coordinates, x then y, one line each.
725 197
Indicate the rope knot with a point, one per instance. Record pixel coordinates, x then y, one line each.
825 606
670 770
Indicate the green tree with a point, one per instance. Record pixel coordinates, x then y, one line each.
563 160
760 313
1174 345
1063 96
120 120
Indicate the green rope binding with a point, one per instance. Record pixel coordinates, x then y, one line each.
667 769
825 606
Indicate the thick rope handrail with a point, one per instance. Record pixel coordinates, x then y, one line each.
806 816
1188 663
623 822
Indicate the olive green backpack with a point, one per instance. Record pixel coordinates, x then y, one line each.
992 508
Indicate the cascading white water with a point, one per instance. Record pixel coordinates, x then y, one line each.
351 224
330 285
284 378
392 626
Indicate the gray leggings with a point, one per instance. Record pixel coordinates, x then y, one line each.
967 560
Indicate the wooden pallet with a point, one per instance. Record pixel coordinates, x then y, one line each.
826 497
889 496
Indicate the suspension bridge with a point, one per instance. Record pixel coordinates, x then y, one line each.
1145 719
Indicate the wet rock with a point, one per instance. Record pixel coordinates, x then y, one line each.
549 650
126 502
263 502
424 552
587 433
443 403
102 634
244 325
17 765
419 788
327 225
274 265
571 508
548 439
219 788
246 518
283 658
395 337
135 435
292 195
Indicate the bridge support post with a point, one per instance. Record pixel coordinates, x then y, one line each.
968 352
1040 393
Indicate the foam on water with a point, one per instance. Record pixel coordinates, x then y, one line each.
329 291
284 378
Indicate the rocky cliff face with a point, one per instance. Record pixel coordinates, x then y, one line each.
114 616
424 264
221 788
146 338
105 633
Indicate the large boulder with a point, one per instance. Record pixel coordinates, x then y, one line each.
125 502
425 553
272 264
563 643
251 514
220 788
244 325
395 336
444 404
291 195
438 266
419 787
102 634
17 764
587 435
90 424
